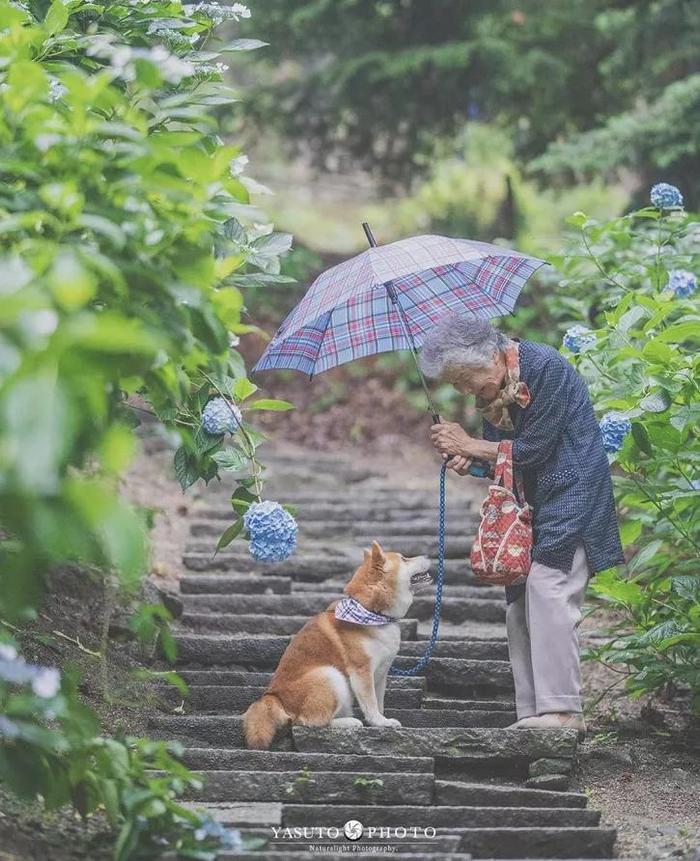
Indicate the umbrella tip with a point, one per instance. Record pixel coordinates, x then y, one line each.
368 233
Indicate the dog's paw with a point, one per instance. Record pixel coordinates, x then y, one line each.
388 722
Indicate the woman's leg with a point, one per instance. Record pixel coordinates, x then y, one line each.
553 609
519 651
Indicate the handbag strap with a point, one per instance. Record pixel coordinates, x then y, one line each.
504 472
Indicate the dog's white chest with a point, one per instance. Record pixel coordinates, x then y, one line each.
384 644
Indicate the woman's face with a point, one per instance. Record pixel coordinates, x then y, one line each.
484 382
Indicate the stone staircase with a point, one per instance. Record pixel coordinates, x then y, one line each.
451 782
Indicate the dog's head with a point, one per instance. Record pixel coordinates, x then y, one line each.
386 582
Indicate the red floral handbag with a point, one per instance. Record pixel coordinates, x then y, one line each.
501 553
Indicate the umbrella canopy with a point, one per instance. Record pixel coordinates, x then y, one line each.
389 296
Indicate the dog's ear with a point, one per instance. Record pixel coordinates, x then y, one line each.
366 554
378 557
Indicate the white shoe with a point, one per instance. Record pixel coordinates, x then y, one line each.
552 720
517 724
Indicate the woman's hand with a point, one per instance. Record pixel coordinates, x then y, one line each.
459 464
450 438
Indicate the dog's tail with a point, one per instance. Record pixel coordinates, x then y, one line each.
262 720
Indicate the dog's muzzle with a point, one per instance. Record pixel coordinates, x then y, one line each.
421 578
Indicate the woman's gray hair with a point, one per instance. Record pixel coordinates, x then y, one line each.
457 341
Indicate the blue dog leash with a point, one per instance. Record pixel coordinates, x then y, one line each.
394 671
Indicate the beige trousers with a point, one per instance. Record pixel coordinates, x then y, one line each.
542 628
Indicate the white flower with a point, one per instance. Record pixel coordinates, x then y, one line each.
7 652
47 683
56 90
238 165
238 10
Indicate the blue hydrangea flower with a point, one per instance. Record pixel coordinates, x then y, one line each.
614 427
228 838
272 530
577 338
220 416
665 195
682 282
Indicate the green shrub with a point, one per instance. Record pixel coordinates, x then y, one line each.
621 280
122 263
125 245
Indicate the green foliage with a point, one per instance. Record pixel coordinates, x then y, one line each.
126 240
380 82
645 364
124 253
51 748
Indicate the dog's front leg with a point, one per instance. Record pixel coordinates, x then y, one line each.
380 678
362 684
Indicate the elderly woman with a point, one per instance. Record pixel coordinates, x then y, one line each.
530 393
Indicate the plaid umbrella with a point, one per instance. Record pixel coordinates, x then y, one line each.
388 297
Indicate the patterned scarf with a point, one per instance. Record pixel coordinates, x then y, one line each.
514 391
350 610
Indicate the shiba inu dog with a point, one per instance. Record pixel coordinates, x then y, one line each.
344 652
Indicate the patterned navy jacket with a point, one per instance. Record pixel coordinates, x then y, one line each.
558 446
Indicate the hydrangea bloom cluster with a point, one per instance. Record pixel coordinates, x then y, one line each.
682 282
228 838
122 59
614 427
217 13
664 195
221 416
45 681
272 530
577 338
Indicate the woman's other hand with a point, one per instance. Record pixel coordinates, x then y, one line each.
450 438
459 464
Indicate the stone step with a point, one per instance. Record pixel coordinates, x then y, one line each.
222 698
210 730
429 702
258 623
487 795
556 842
245 584
264 652
335 587
444 717
409 545
311 567
247 678
439 816
424 525
205 758
476 745
265 649
454 610
318 787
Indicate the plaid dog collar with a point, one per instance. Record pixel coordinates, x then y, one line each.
350 610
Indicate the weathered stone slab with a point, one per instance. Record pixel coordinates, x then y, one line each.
537 842
446 742
247 584
540 767
449 703
302 567
212 730
225 698
258 623
247 677
439 816
309 787
549 782
273 760
250 813
453 675
454 610
478 794
437 718
480 650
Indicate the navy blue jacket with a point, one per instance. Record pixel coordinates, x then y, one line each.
558 446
